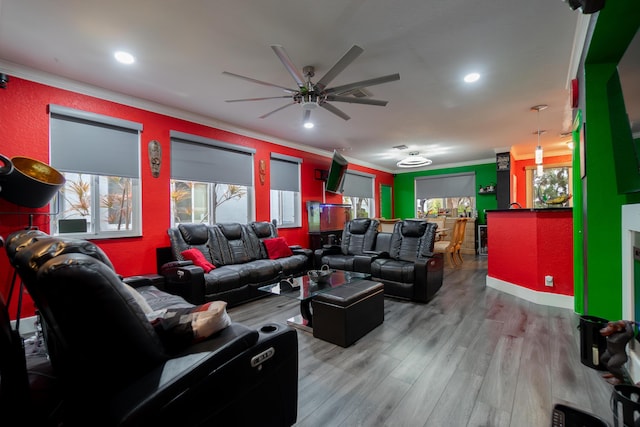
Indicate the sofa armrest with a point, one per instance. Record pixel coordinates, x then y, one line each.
237 366
184 279
325 250
145 280
428 273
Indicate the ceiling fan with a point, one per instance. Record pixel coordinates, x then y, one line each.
311 95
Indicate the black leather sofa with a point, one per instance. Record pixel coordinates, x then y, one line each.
242 262
112 366
402 260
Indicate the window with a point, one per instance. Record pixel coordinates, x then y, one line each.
358 192
449 195
554 182
285 190
99 157
211 181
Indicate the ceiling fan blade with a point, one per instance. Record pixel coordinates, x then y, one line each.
339 66
288 64
335 110
354 100
257 99
363 83
260 82
276 110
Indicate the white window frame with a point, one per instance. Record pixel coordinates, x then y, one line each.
362 190
284 185
204 171
60 118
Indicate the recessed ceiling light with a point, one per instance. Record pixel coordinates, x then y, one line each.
308 125
472 77
124 57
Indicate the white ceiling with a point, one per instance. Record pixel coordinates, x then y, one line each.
523 50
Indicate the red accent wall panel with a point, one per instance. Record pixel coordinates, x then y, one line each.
24 131
525 246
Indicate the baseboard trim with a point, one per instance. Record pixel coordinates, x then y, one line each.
542 298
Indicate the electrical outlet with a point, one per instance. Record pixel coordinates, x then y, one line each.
548 281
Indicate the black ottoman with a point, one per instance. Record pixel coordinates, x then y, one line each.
345 314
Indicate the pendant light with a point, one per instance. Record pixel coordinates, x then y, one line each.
539 152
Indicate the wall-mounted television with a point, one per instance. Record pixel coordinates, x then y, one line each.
337 171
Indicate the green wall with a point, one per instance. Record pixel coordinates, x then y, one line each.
601 203
404 189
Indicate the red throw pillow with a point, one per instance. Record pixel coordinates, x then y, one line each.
277 248
198 259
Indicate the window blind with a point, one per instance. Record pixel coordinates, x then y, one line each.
358 184
84 142
285 172
450 185
195 158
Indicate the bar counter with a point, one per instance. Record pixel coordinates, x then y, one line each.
527 245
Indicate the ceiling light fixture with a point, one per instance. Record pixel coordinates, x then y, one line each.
414 160
539 153
124 57
471 77
308 125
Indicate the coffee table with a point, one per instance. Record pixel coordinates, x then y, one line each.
304 289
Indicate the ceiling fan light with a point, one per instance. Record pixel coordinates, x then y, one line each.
308 125
414 161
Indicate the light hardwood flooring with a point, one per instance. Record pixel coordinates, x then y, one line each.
473 356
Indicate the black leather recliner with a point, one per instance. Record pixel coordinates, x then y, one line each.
411 270
355 251
115 371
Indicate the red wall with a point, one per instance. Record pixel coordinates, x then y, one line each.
524 246
24 131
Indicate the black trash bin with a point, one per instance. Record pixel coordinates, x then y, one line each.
566 416
625 405
592 344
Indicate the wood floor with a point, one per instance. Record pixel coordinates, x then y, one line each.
473 356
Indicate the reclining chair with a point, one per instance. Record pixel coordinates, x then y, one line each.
356 247
112 366
411 270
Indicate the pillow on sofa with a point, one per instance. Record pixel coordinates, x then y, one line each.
277 248
198 259
179 328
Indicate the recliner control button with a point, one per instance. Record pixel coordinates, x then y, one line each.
258 359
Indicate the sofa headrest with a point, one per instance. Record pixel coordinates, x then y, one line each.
262 229
412 228
232 231
194 234
31 251
21 239
359 225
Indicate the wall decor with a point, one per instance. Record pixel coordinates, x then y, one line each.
155 157
503 161
262 170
